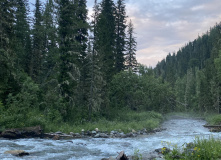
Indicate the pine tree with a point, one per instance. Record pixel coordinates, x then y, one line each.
120 35
96 82
50 41
105 39
38 47
131 44
82 38
69 48
7 56
22 33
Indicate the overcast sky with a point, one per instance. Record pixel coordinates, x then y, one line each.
163 26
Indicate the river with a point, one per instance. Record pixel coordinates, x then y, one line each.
178 131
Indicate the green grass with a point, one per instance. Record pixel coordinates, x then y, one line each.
213 119
125 122
201 149
131 120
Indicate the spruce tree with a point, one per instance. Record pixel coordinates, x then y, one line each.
131 44
50 41
105 39
38 48
69 49
120 35
96 82
82 38
95 79
22 33
7 56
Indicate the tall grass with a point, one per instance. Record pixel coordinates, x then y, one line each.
201 149
213 119
130 121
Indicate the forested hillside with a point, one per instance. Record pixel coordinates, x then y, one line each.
194 73
57 67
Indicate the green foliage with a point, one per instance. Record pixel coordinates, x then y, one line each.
137 155
131 45
214 119
20 105
201 149
105 39
26 99
147 120
121 35
144 92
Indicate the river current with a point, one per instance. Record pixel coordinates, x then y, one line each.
178 131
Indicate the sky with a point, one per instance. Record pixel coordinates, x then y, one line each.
164 26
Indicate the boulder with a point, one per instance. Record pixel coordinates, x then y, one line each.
121 135
56 137
97 136
131 134
88 133
111 158
113 132
28 132
58 132
122 156
19 153
103 135
77 135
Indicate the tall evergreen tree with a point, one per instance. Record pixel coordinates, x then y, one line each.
82 38
105 39
120 34
22 33
95 79
38 46
69 48
131 44
50 41
7 56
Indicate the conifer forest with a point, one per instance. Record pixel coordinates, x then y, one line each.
60 65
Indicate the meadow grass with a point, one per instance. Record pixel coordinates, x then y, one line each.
213 119
130 121
200 149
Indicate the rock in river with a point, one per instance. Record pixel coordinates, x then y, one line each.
19 153
28 132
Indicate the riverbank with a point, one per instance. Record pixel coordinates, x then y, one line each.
127 122
130 124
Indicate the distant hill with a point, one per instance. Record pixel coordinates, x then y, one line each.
194 72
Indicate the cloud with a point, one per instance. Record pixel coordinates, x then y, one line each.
164 26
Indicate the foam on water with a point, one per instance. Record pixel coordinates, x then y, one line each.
178 131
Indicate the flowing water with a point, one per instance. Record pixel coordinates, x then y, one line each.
178 131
